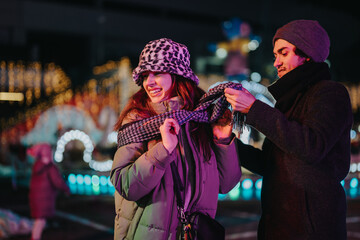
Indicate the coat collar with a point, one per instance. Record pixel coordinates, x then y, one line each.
286 89
174 103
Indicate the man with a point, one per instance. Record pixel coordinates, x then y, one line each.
306 152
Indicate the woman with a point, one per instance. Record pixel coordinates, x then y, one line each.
46 181
145 201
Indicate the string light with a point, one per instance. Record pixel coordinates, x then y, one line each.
247 184
29 80
11 96
87 155
243 190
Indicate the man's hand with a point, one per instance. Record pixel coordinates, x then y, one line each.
240 100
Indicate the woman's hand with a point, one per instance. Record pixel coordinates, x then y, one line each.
240 100
169 131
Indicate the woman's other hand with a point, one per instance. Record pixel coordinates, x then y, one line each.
222 128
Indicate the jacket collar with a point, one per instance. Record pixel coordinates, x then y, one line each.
174 103
286 89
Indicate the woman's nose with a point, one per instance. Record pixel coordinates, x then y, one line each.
150 79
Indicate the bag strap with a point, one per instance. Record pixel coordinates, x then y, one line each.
178 187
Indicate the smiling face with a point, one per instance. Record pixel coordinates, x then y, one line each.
285 57
157 85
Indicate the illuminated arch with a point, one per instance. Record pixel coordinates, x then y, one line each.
87 155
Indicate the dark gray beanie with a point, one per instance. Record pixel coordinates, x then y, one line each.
308 36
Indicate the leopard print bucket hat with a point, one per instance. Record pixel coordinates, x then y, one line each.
164 55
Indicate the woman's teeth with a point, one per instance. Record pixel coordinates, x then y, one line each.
155 91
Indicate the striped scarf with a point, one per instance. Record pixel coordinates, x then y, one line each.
211 107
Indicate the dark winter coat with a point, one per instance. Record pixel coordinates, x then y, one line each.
45 183
305 156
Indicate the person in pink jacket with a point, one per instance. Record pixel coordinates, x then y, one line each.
46 181
205 158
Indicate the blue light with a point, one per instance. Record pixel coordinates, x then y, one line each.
95 180
109 182
79 179
247 183
258 194
212 47
247 194
354 183
111 190
234 194
221 196
90 184
80 189
103 190
258 184
72 178
87 180
73 188
352 134
103 180
353 192
96 189
88 190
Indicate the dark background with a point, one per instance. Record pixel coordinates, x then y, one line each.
80 34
